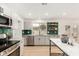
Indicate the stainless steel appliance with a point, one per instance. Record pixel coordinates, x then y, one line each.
10 50
5 20
28 40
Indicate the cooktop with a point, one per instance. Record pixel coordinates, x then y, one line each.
6 44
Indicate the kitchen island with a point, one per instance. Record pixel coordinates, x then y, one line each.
68 50
10 48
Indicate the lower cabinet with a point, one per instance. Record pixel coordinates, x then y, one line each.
36 40
47 40
41 40
16 52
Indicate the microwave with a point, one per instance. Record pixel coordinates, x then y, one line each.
5 20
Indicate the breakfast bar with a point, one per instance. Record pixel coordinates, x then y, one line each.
68 50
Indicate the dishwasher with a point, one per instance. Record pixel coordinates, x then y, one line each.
29 40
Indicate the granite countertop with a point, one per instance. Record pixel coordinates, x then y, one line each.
68 49
4 46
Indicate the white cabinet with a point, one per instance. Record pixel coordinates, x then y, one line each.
25 41
36 40
41 40
47 40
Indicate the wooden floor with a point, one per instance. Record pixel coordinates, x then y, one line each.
39 50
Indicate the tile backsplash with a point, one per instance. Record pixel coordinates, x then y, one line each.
7 31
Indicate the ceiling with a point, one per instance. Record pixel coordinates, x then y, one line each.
47 10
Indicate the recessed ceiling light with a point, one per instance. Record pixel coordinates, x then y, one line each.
30 14
64 13
46 14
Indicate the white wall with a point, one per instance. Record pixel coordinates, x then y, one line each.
27 25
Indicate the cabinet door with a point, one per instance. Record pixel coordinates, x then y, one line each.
25 40
36 40
42 40
39 40
47 40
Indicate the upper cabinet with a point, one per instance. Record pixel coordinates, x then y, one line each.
52 28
